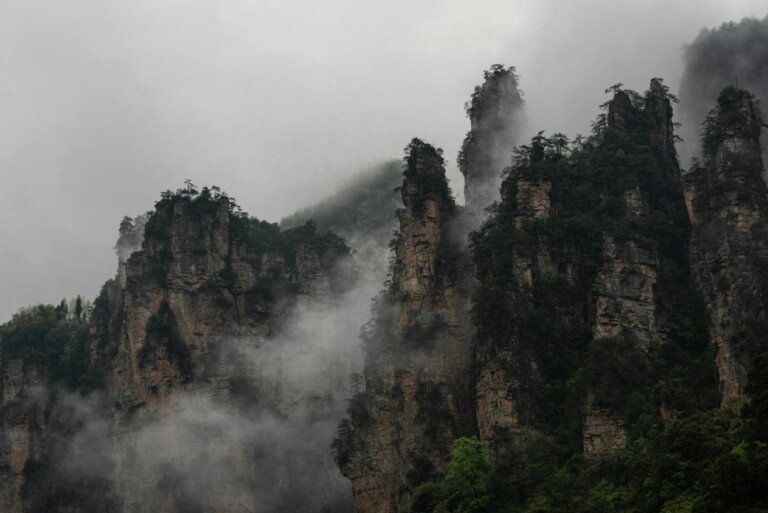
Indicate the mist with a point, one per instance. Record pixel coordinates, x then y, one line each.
252 432
105 104
731 54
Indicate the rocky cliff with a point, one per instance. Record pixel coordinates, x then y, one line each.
726 198
223 350
205 348
585 316
587 250
496 115
417 395
23 420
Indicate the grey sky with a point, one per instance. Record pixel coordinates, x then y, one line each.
103 104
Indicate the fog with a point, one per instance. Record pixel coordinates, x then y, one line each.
252 432
103 104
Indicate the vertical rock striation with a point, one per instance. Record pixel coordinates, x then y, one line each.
583 266
213 376
23 413
727 202
417 395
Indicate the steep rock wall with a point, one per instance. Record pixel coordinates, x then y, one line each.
726 199
207 336
22 411
417 395
586 255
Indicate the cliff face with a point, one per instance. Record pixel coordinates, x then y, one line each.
585 256
727 202
417 395
582 298
214 374
211 376
22 411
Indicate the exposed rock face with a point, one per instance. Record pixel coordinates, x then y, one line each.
604 432
627 302
22 411
727 202
207 336
508 369
495 112
564 278
417 396
624 294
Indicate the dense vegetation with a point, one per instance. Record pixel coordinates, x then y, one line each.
261 236
695 458
711 461
548 321
53 337
424 177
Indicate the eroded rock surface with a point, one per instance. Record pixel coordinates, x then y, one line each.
726 198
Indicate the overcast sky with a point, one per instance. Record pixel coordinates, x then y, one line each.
103 104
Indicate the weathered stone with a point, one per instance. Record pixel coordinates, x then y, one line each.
604 432
726 200
624 294
22 418
225 307
418 361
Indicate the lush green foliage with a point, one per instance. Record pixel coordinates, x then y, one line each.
465 487
52 336
424 171
549 321
710 462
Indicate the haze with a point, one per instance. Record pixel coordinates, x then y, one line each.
103 104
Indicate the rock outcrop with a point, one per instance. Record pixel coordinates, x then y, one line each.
496 115
418 389
217 363
726 198
22 411
207 334
585 255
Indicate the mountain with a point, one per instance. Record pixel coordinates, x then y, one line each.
586 334
216 367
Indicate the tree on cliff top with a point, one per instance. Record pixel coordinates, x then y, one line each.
423 166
